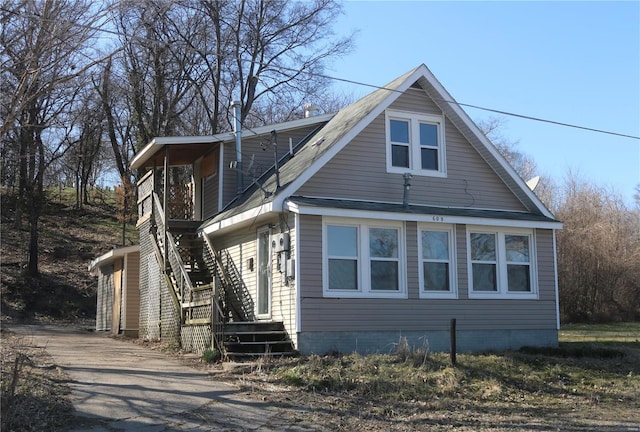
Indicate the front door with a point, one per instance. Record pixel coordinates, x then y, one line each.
264 273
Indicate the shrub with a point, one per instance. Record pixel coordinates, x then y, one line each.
211 355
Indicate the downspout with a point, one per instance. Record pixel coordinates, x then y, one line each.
236 106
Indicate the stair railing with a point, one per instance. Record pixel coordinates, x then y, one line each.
222 279
227 282
182 287
180 283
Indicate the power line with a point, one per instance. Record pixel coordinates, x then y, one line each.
360 83
508 113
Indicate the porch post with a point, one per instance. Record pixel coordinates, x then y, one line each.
165 199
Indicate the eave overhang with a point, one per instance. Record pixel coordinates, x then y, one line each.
418 213
180 146
110 256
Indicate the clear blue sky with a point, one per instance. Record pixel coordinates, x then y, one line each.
573 62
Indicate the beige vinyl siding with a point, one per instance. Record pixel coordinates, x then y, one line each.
366 314
210 196
242 246
131 293
413 281
259 148
461 262
413 315
415 100
359 170
230 185
546 267
310 245
104 304
283 297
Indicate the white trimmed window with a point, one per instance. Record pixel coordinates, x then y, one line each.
437 261
364 259
501 263
415 144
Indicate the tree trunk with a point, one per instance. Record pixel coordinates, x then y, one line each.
34 216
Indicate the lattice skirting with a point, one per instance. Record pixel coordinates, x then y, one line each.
196 338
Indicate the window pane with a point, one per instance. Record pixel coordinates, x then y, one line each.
399 131
383 242
343 274
519 278
400 156
435 245
384 276
428 135
343 241
436 276
517 248
484 277
429 158
483 247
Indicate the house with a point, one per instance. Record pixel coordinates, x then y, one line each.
118 292
344 232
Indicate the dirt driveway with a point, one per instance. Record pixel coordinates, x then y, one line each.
120 386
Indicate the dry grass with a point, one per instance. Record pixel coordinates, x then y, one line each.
35 396
581 386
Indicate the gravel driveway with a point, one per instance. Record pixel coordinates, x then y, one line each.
120 386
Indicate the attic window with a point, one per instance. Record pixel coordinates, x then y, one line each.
415 144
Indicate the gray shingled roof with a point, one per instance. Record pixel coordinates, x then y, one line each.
353 116
333 131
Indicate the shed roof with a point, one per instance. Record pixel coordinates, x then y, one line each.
110 256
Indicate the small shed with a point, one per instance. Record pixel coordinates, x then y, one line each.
118 293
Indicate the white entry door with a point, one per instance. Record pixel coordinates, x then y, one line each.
264 273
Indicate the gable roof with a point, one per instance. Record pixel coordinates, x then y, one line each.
345 126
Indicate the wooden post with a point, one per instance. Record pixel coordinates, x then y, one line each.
165 202
452 333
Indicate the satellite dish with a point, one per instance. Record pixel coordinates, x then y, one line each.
533 182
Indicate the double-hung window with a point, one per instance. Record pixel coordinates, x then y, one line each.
437 266
415 144
501 264
363 259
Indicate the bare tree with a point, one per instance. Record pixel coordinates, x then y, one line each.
523 164
598 254
44 57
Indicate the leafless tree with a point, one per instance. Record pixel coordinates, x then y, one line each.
44 59
598 254
524 165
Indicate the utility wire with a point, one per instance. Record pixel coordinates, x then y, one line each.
508 113
360 83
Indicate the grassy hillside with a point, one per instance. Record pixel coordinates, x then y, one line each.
69 239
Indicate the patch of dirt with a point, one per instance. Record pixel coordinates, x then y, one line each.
69 239
35 394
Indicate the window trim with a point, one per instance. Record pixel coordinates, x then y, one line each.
415 162
364 259
453 271
502 263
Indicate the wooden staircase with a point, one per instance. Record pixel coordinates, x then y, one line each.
255 339
208 290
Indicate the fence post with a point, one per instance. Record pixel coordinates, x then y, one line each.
452 334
